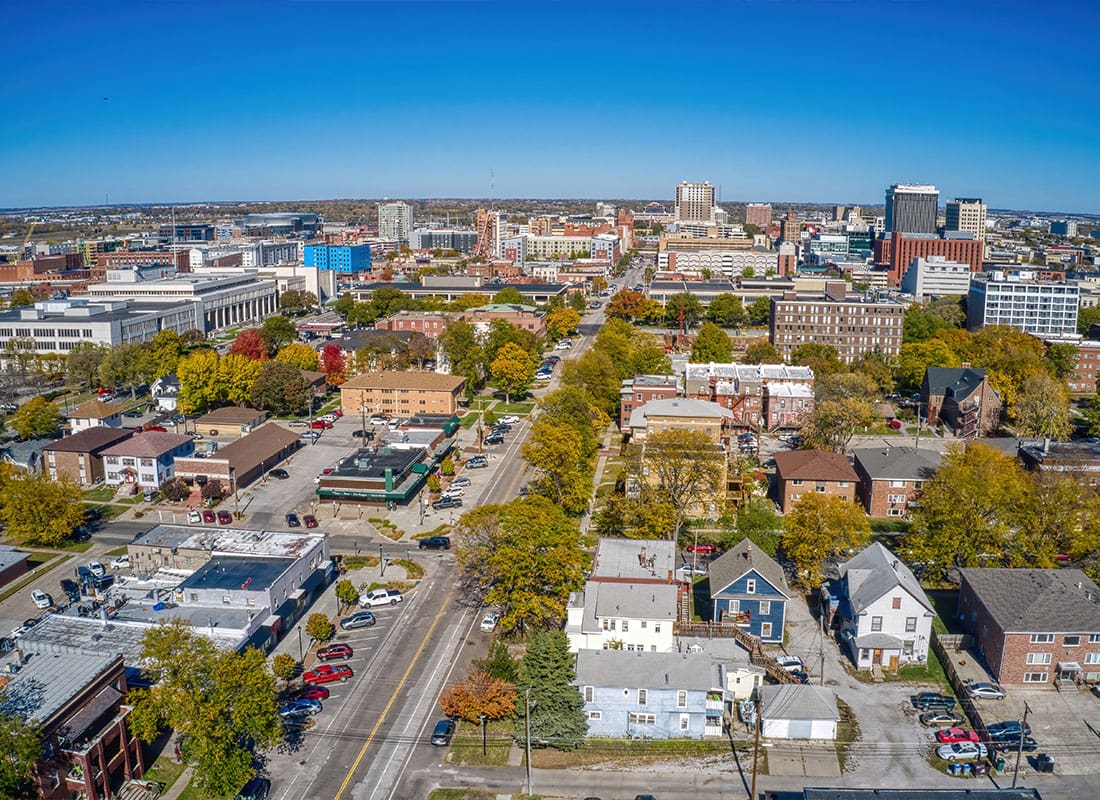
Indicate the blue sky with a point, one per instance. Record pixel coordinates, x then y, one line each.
784 100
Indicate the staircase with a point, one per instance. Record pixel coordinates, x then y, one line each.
752 644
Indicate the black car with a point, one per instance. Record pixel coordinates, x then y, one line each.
930 700
494 438
502 427
255 789
71 589
281 474
361 434
436 543
292 521
1013 744
1010 729
447 502
444 730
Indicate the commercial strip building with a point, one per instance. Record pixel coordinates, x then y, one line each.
1021 301
852 324
401 394
245 460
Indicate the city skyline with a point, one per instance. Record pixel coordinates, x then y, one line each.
188 103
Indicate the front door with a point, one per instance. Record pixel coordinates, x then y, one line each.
893 667
876 657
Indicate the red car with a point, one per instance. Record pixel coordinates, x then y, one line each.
157 428
320 425
224 518
327 673
208 515
953 735
337 412
310 521
335 651
312 693
702 549
895 424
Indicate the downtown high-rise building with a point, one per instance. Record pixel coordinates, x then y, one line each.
395 221
695 202
758 214
911 208
966 215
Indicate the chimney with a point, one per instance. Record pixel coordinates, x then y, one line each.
895 565
748 552
965 365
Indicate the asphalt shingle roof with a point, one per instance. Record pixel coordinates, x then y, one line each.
813 465
898 463
961 381
798 701
738 560
873 572
1038 600
615 668
90 440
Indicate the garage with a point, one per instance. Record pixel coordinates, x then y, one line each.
798 711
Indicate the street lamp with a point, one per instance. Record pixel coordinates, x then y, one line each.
527 733
381 561
301 650
483 717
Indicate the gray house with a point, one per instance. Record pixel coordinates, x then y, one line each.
659 695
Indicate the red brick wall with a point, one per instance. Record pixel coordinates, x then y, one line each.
903 249
787 491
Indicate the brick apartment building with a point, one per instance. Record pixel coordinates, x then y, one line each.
898 251
891 479
802 472
962 398
1083 378
1033 626
181 259
402 394
69 266
761 396
639 390
80 457
525 317
428 323
851 324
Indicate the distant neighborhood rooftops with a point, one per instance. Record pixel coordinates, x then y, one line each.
648 560
1037 600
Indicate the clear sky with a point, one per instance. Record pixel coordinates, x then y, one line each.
785 100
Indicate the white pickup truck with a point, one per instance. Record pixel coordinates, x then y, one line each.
380 597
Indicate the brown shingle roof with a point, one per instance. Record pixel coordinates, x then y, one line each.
262 444
813 465
94 409
91 440
230 415
149 444
422 381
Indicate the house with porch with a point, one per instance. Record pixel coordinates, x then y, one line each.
749 589
882 616
147 459
961 398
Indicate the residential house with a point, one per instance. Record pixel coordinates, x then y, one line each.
802 472
1033 626
26 456
80 457
165 391
639 390
1078 460
883 616
95 413
146 459
230 422
622 616
748 588
634 561
402 394
798 711
891 478
75 701
961 398
656 695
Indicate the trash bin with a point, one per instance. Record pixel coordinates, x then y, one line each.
966 770
1000 764
1044 763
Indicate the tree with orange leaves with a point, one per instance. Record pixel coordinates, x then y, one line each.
479 694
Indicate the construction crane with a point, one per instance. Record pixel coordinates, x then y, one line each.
26 240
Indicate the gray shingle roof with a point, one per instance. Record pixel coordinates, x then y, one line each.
960 381
738 560
615 668
898 463
873 572
605 600
798 701
1038 600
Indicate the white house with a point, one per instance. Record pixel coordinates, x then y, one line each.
95 413
146 459
165 390
883 616
622 616
798 711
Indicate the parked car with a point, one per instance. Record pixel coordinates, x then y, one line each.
292 521
454 491
327 673
194 517
442 733
489 621
702 549
281 474
360 619
937 719
377 420
121 562
985 691
1010 729
962 751
71 589
380 597
208 516
334 652
296 709
790 663
310 521
927 701
41 599
951 735
97 569
297 423
256 789
511 419
1028 745
363 433
494 438
313 436
435 543
312 693
462 481
477 462
446 502
225 518
563 346
320 425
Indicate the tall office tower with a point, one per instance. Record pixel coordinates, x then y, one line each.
966 214
695 202
395 221
911 208
840 213
490 230
758 214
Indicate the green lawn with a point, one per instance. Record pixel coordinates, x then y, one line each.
597 751
466 745
520 409
165 771
931 672
109 510
460 794
100 494
468 421
847 731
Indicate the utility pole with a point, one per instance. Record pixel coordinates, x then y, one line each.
483 717
527 732
755 746
1020 745
381 561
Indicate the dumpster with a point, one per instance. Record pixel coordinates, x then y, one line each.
1044 763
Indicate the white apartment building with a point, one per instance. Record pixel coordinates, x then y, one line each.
622 616
1017 299
395 221
935 276
966 214
253 254
695 202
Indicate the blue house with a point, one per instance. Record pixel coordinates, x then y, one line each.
659 695
747 587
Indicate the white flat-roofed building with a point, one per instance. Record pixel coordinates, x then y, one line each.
1018 300
935 276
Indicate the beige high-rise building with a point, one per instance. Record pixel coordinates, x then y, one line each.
966 214
695 202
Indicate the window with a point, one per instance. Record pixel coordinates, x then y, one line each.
1071 641
685 722
656 627
765 607
796 483
1092 658
595 715
765 630
910 624
895 498
895 602
589 693
876 623
626 625
842 484
750 586
681 698
1038 658
643 624
641 719
820 488
1042 638
643 696
1035 677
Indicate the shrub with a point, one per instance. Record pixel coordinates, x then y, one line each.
320 627
284 666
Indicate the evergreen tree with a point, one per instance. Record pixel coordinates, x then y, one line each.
557 708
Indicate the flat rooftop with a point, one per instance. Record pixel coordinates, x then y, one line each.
231 541
49 680
367 464
634 559
235 572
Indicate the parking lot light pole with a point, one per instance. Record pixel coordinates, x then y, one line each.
483 717
381 560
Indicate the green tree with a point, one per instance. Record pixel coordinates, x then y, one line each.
20 298
760 311
277 332
502 333
577 302
284 666
682 467
82 365
250 344
757 522
238 375
433 483
649 516
500 663
821 358
36 417
127 365
595 374
562 474
165 350
458 344
727 310
683 306
509 295
820 527
916 357
21 744
175 490
838 385
545 685
281 387
218 699
1086 318
320 627
1062 359
346 592
290 301
513 370
201 383
762 352
37 510
711 345
524 557
299 355
447 466
834 422
1042 408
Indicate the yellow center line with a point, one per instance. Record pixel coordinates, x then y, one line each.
393 697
